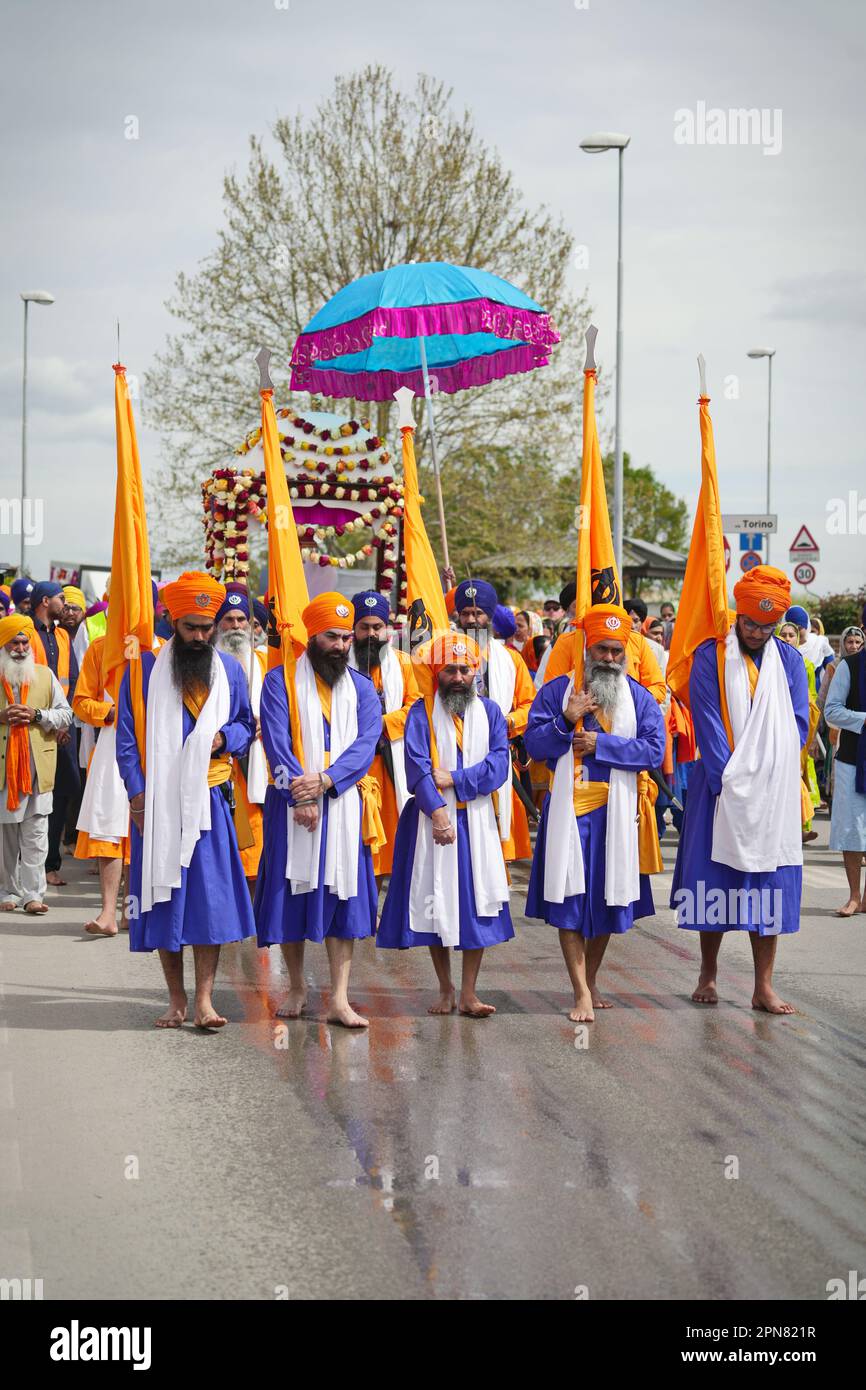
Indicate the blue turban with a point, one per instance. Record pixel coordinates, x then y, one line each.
21 588
504 622
797 615
155 591
370 604
260 613
46 588
235 601
5 601
475 593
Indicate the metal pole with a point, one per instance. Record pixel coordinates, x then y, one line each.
769 429
432 430
617 468
23 438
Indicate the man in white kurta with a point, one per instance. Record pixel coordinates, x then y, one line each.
32 705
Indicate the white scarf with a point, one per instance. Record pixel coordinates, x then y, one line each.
393 690
104 813
176 792
257 763
501 679
434 896
757 826
344 812
564 873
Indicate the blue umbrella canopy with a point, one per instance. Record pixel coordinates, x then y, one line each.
366 341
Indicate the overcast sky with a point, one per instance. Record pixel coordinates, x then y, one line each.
726 247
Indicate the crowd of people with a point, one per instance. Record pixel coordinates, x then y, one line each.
363 790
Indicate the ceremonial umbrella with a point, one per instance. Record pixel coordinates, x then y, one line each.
396 327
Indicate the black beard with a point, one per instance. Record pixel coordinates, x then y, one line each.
458 699
191 666
329 665
368 653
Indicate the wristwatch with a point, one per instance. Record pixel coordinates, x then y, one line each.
37 716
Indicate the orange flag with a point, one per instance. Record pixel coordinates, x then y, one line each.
703 605
424 596
287 583
597 575
129 625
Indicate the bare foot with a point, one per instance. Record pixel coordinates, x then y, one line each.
8 906
294 1004
583 1010
35 908
472 1007
706 992
345 1015
598 1001
768 1000
445 1004
54 879
206 1016
175 1014
852 905
97 928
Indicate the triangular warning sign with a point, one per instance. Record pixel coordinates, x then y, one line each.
804 540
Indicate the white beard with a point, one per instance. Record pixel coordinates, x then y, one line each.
602 682
17 673
235 644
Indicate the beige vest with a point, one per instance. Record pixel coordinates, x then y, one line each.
43 744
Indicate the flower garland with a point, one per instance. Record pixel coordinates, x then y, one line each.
232 495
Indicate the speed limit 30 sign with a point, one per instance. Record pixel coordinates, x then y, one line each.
804 573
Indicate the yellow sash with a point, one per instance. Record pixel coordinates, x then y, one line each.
219 770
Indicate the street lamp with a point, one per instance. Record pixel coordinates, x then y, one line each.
769 353
599 144
29 297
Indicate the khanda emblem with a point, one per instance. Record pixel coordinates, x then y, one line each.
420 626
273 635
604 586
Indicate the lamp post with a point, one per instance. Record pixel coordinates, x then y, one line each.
29 297
769 353
599 144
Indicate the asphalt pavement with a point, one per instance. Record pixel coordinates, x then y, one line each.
666 1151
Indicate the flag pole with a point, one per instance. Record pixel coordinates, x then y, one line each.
432 428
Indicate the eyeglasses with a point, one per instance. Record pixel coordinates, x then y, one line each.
766 629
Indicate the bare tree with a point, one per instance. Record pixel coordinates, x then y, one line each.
375 177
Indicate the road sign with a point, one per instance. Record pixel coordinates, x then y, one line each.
754 541
804 546
748 560
727 554
804 573
733 521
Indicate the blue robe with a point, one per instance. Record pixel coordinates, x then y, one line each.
547 737
477 780
212 905
696 874
282 915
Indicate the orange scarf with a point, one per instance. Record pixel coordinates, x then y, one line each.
18 779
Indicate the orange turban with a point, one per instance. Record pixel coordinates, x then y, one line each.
328 611
764 594
13 624
449 600
193 595
445 649
606 622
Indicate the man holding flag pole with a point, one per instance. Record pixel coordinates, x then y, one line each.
449 886
600 733
181 717
740 858
320 723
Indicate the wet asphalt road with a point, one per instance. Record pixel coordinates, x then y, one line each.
436 1157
